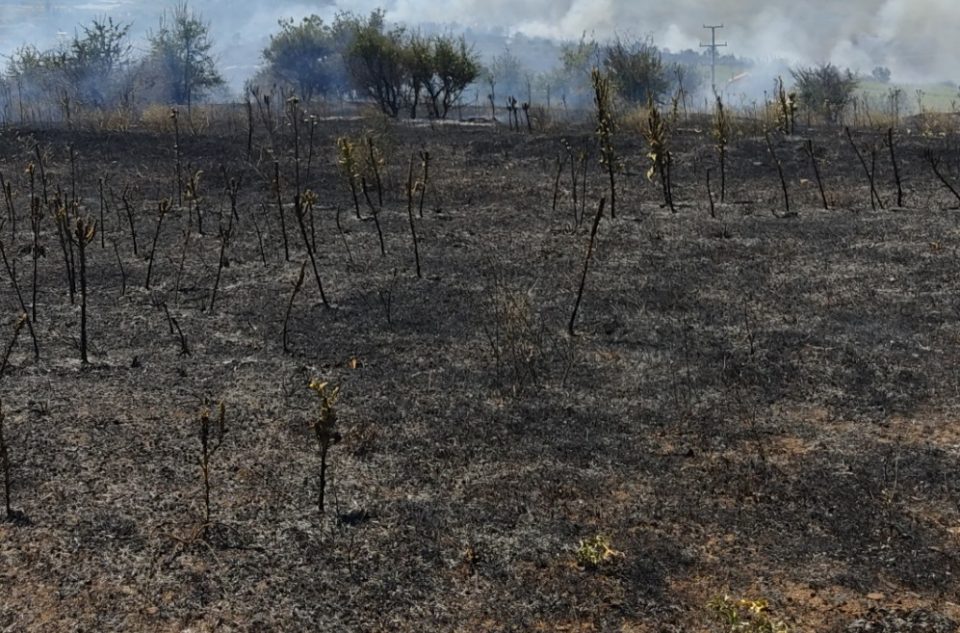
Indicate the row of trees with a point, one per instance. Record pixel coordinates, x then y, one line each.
398 69
96 67
404 72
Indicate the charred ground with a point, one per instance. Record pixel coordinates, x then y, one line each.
753 405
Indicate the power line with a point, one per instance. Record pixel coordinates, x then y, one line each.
713 46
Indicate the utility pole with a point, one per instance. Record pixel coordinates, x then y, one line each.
713 46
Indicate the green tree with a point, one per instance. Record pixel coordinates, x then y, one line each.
97 59
307 55
376 60
454 66
637 70
90 69
825 89
418 56
180 56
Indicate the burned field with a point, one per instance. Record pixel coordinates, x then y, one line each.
755 403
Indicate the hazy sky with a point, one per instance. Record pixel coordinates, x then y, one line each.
917 39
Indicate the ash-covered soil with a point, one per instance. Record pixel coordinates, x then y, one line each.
760 404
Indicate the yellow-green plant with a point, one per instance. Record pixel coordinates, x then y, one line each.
745 615
786 108
325 428
603 100
349 168
656 134
595 552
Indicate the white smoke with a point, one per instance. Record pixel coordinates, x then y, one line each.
918 39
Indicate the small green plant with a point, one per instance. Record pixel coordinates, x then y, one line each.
786 109
603 100
349 168
656 134
744 616
595 552
325 429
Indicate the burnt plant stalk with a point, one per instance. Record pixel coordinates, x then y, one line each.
211 439
12 273
103 206
128 209
249 128
425 162
162 207
934 162
283 223
62 221
721 133
123 272
286 317
561 163
586 265
178 164
779 166
375 213
343 236
256 228
225 235
36 215
17 328
302 207
713 209
11 210
83 234
375 167
5 465
816 173
411 186
43 173
874 196
896 167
